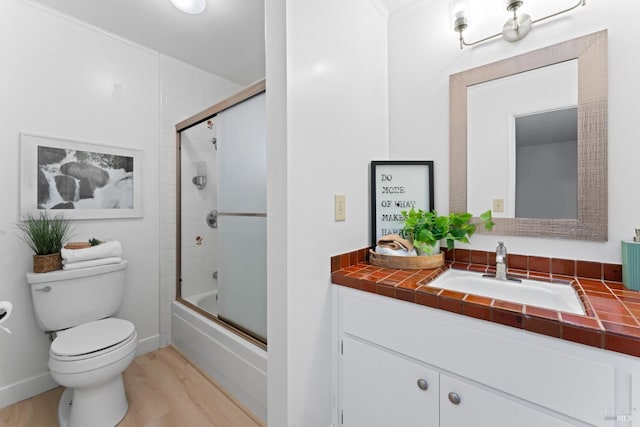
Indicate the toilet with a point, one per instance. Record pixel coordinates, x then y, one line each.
91 349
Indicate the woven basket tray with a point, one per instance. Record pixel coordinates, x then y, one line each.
45 263
77 245
406 262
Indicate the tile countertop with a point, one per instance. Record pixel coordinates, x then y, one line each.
612 319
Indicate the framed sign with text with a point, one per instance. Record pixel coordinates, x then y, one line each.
398 186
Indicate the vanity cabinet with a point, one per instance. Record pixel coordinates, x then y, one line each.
381 389
474 373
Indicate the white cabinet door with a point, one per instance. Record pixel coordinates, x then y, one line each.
380 389
480 408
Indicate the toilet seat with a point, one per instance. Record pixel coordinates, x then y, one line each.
101 359
91 339
118 342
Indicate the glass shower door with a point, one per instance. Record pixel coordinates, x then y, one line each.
242 237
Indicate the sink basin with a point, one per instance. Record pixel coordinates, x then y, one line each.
554 296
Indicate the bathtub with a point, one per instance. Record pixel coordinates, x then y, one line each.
237 365
207 301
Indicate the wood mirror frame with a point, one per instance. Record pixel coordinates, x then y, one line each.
592 218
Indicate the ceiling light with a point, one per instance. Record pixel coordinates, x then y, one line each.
192 7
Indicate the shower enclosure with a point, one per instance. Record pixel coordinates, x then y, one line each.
221 214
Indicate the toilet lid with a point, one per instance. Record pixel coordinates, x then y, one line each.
91 337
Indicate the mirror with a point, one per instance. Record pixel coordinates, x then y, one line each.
546 165
528 155
474 171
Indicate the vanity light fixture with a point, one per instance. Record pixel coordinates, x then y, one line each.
516 27
191 7
200 180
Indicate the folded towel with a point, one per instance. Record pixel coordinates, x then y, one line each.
394 241
91 263
111 248
395 252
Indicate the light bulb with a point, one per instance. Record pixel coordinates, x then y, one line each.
202 168
458 8
192 7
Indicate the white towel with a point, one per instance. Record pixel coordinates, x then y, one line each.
111 248
91 263
395 252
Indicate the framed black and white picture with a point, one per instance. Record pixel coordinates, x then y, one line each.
85 180
398 186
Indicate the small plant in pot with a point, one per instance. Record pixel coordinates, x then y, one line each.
45 234
425 229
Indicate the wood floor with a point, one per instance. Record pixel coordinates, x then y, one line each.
163 389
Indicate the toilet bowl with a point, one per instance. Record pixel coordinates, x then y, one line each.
92 373
91 350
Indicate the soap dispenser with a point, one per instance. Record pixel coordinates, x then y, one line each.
631 262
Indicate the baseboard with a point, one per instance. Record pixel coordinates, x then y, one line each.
147 345
25 389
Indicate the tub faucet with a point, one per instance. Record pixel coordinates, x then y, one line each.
501 261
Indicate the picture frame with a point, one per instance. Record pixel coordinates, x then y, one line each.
84 180
396 186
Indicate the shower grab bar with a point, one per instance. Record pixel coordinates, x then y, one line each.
240 214
212 217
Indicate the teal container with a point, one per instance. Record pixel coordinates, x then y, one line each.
631 264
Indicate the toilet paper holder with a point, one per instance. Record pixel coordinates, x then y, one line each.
5 311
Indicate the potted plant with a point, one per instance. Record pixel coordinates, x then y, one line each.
425 229
45 234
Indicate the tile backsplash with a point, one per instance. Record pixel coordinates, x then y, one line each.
525 263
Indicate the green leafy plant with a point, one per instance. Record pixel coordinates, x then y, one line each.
44 232
93 241
426 228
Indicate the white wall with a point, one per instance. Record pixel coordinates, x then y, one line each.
423 52
277 212
325 123
58 78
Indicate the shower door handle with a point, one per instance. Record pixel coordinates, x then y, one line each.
212 217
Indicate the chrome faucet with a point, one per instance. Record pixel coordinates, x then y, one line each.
501 261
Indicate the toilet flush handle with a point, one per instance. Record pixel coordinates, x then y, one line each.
43 289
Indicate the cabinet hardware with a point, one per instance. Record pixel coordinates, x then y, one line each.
454 398
422 384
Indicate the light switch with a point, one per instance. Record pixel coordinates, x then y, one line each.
340 204
498 205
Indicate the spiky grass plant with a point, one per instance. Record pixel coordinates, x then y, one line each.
45 233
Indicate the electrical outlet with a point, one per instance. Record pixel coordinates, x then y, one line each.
340 205
498 205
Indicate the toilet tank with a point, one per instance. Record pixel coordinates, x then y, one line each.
62 299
